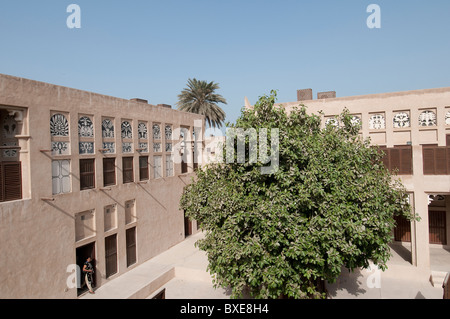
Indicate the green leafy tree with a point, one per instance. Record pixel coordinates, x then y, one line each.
330 204
199 97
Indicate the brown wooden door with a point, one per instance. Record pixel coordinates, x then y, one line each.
187 226
402 231
437 227
184 167
131 246
111 255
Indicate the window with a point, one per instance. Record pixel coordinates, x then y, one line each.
158 166
401 120
61 177
169 165
142 131
130 212
108 134
87 174
377 122
109 171
84 225
108 128
59 126
127 130
156 132
427 118
110 217
111 255
131 246
86 135
398 158
436 160
10 181
59 131
143 168
127 169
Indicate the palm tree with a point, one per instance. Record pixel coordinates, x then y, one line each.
199 98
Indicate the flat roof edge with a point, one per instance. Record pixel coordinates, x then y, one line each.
375 95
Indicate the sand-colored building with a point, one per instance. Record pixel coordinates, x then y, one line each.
84 174
413 128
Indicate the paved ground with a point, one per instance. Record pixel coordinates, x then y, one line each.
398 282
181 271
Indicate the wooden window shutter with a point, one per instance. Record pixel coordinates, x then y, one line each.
448 160
87 174
394 157
2 186
406 161
12 181
428 161
109 171
386 156
440 158
143 168
127 169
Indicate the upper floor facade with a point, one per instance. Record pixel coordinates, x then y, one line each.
57 140
412 128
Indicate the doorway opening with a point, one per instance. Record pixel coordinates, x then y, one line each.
439 231
187 226
82 253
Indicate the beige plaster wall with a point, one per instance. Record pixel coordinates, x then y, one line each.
413 102
37 234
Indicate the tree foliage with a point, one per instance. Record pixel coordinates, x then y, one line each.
199 97
331 204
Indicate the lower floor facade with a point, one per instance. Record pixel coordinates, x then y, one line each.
45 242
430 200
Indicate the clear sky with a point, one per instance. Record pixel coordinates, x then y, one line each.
149 49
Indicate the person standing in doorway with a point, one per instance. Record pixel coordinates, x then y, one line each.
88 271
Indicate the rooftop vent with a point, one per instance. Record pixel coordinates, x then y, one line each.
307 95
140 100
304 95
326 95
165 105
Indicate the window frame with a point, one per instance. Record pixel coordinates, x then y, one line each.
109 172
126 179
144 172
157 171
85 174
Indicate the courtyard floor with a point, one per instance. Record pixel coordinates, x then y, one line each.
181 273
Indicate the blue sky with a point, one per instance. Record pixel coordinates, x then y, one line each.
149 49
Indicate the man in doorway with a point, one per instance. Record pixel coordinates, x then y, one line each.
88 271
